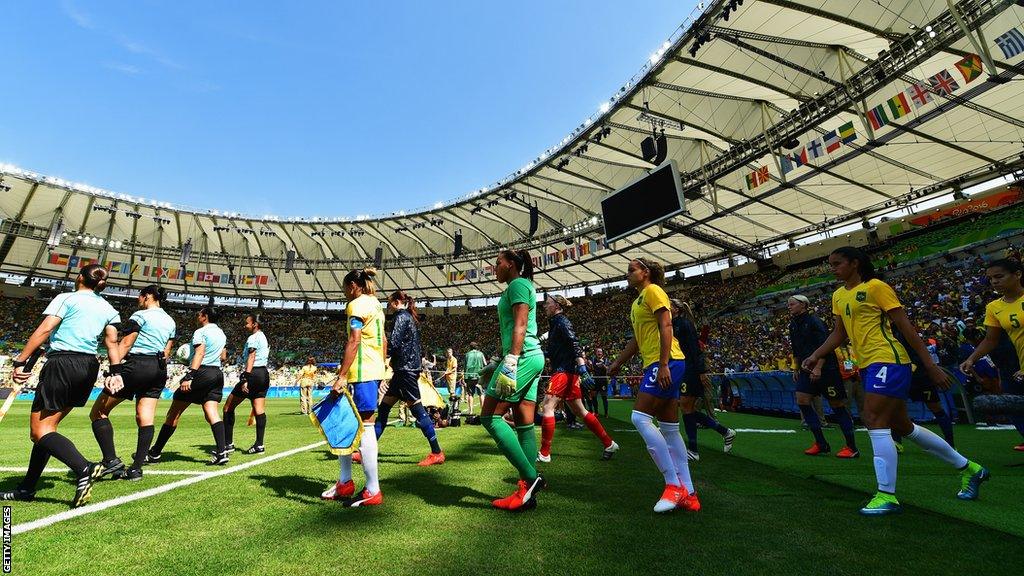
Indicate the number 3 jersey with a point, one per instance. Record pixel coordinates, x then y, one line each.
1009 316
863 310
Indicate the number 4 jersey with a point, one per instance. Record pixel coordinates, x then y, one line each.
863 310
1008 316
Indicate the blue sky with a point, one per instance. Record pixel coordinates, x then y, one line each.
309 108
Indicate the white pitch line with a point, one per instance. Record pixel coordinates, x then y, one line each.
147 472
97 507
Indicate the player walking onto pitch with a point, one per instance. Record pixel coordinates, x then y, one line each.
474 363
568 368
146 343
405 349
307 374
866 309
362 369
1004 315
203 384
658 394
684 328
253 384
73 323
806 333
514 383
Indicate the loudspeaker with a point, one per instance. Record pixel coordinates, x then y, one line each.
458 244
289 260
648 149
662 145
378 257
534 220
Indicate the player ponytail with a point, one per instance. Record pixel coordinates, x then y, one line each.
158 294
363 279
256 320
522 261
865 268
408 301
94 277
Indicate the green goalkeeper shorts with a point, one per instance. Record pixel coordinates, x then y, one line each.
527 378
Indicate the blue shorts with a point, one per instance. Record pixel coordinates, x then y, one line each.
365 395
891 380
649 382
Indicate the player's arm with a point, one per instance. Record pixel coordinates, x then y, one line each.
837 337
664 318
35 341
250 360
355 335
126 343
992 336
898 318
168 348
114 352
520 315
628 352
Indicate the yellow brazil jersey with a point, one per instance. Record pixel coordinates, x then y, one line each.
369 361
306 375
452 368
863 311
645 325
1009 316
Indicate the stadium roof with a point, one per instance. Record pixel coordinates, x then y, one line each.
785 117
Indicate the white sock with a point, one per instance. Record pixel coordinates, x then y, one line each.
368 448
345 468
884 458
936 445
677 448
656 445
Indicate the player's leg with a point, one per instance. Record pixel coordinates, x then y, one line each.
594 425
145 412
259 406
426 426
104 432
45 440
229 419
835 391
1010 385
932 401
686 404
547 424
519 446
383 412
972 474
211 410
174 412
879 414
804 401
365 396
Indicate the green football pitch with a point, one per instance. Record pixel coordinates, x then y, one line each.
768 509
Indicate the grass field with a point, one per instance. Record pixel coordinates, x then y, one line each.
767 508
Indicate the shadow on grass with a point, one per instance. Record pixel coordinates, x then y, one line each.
434 491
293 487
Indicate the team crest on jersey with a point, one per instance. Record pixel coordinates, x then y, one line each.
862 296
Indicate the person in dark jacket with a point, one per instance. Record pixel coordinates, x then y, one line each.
406 352
695 381
568 367
806 333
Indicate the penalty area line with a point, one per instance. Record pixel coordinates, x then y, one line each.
99 506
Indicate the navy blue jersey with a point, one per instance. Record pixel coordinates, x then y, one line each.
806 333
563 346
689 341
404 343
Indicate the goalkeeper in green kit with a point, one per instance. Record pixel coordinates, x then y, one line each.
514 382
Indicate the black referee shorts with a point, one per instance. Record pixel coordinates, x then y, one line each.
259 383
405 385
207 386
66 381
144 375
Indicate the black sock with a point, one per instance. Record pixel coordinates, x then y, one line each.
605 400
165 434
36 464
65 451
261 428
145 439
218 435
104 433
229 427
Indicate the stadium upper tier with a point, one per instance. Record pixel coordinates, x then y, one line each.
785 118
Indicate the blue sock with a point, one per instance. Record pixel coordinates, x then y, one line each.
710 422
426 426
842 414
382 419
814 424
690 425
946 423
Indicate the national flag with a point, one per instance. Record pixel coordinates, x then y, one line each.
815 148
1011 43
970 67
847 133
898 106
919 94
757 177
831 141
785 164
135 269
799 158
877 117
943 83
751 180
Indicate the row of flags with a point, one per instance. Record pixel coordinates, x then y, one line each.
554 257
159 272
944 83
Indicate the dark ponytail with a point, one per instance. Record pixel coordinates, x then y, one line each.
158 293
256 319
94 276
362 278
400 296
522 261
654 269
865 267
